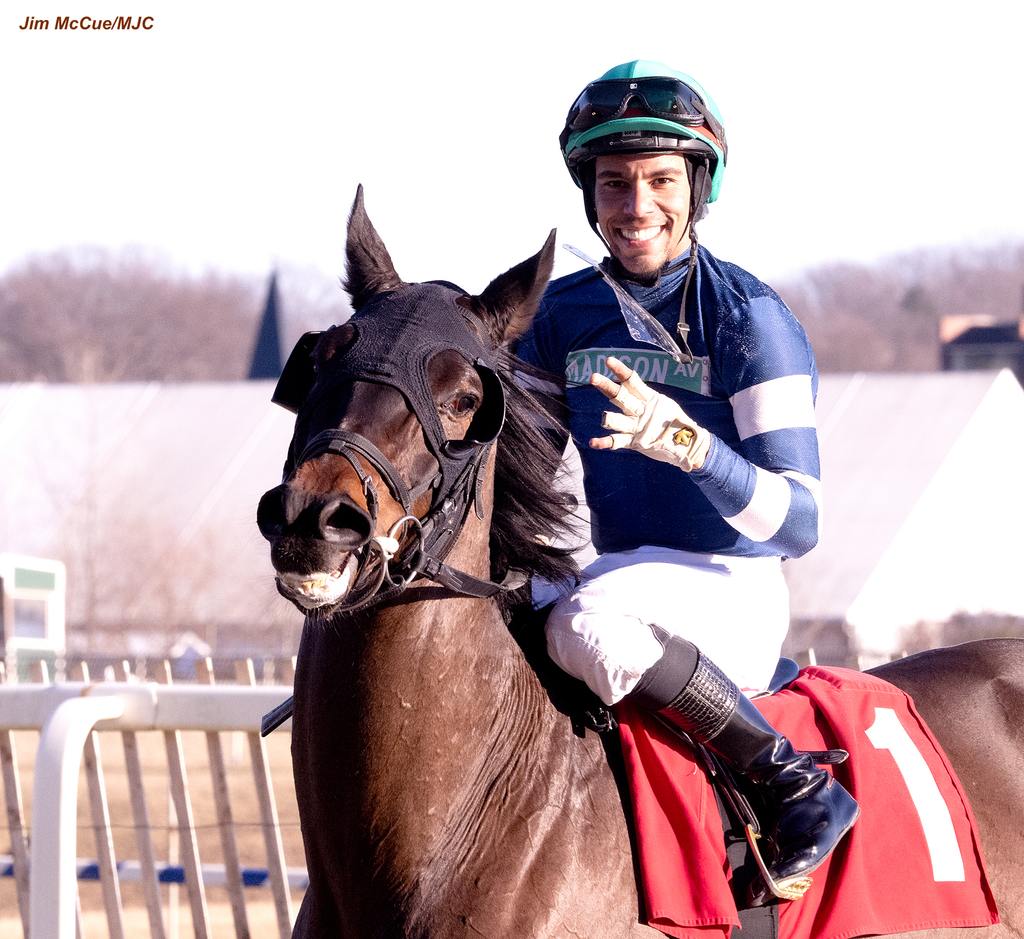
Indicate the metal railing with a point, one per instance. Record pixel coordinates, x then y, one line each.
68 718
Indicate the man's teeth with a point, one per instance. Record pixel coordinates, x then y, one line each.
640 234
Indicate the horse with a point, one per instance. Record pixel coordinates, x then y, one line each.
441 791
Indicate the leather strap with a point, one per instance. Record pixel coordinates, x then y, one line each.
467 584
276 717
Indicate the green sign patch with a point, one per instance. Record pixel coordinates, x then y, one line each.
654 367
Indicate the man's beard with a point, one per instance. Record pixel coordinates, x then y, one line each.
646 276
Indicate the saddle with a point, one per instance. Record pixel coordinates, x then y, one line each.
886 877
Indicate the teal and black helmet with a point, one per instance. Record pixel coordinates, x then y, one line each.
644 106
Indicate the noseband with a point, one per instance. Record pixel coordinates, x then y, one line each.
384 569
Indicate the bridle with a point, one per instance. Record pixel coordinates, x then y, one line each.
416 545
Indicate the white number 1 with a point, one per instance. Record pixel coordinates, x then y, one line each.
887 733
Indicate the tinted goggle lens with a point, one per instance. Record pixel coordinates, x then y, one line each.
659 97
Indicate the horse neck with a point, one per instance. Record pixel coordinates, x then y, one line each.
439 718
450 682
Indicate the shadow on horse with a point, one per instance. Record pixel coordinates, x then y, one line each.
440 792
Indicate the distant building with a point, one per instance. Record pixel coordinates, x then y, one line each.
976 342
148 493
266 356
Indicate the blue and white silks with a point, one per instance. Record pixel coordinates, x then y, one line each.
758 493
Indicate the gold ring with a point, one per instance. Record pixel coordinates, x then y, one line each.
684 436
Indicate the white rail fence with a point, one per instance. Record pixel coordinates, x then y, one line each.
74 722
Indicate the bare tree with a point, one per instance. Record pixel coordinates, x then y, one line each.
884 317
89 315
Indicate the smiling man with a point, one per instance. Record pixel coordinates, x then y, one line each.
709 477
643 207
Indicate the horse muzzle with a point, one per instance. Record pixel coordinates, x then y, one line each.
315 544
289 511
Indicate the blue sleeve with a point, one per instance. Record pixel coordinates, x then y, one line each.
767 486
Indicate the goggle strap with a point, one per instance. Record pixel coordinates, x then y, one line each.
712 124
682 328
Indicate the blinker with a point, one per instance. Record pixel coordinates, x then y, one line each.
396 334
488 420
298 375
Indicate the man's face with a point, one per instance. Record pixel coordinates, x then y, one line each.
643 203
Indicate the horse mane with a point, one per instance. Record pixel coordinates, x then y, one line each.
533 516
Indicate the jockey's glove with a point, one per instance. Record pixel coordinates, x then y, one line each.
648 421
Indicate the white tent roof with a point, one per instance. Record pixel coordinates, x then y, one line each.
152 490
923 502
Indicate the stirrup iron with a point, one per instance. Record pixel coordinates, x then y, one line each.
791 888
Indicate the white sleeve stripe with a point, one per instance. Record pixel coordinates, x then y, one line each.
767 509
776 404
812 485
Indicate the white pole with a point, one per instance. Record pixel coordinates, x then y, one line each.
53 885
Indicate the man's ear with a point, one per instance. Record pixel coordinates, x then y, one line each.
370 270
508 304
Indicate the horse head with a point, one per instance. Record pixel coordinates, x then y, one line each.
396 413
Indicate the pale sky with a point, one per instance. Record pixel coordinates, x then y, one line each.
232 135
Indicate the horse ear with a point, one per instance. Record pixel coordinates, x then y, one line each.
508 305
370 270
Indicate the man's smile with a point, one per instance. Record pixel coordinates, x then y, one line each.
640 234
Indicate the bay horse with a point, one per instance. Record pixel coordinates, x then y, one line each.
440 793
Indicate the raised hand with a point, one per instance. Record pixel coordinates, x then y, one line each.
648 421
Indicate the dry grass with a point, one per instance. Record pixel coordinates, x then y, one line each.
247 828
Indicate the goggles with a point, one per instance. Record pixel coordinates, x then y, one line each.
667 98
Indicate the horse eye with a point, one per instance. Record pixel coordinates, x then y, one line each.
463 404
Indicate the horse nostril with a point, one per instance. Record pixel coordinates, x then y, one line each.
342 522
270 513
284 510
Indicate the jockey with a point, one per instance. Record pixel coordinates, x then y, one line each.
710 475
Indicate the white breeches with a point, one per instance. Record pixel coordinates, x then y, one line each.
734 609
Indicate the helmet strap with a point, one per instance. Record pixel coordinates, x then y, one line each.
698 182
588 179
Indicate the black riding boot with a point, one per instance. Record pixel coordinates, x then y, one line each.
808 811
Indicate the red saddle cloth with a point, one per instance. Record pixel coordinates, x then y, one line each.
912 861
